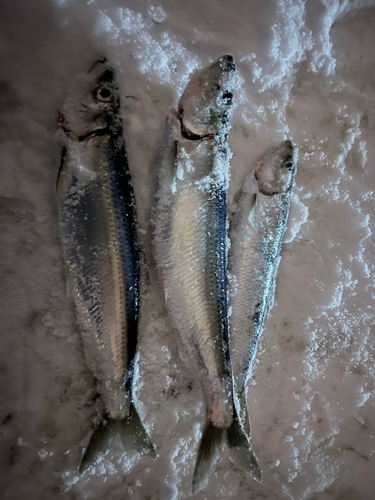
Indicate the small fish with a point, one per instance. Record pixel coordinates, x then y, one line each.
191 246
256 237
98 226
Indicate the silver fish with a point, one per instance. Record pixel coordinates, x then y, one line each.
98 226
191 242
256 239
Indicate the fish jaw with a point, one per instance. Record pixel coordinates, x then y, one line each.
276 171
93 104
205 107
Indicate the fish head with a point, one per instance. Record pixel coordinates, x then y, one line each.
93 103
205 107
275 172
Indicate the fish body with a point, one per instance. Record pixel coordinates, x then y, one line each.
191 242
192 256
98 226
256 238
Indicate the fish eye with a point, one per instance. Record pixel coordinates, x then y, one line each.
104 94
228 96
289 164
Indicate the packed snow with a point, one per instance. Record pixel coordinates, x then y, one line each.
306 73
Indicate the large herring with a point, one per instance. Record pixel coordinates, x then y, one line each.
99 235
190 241
256 238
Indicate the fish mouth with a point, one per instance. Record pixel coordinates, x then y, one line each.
102 60
289 147
103 72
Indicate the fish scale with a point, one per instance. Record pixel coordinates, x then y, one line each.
256 236
190 242
196 273
98 226
255 282
94 249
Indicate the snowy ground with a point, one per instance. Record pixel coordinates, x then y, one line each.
307 72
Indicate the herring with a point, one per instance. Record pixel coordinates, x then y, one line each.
256 238
98 226
191 243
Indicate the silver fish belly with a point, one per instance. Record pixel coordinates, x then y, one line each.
256 239
98 226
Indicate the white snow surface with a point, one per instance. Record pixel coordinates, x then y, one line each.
306 71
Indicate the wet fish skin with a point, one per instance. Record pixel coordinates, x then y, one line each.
256 238
191 243
190 234
98 227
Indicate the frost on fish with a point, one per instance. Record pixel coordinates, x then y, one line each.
190 240
99 236
256 238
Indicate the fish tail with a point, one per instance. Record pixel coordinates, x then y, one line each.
133 434
244 411
100 442
241 449
208 453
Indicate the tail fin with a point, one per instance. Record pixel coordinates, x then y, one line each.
133 434
131 430
208 454
99 443
243 412
241 450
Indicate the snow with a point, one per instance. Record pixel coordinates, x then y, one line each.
306 72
